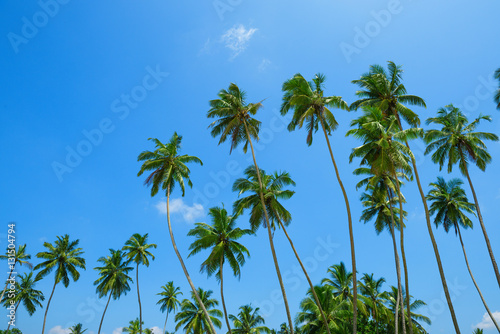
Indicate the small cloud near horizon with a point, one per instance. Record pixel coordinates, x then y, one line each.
487 323
177 206
264 64
236 39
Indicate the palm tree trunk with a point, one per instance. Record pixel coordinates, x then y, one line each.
305 273
403 256
473 280
15 310
139 298
396 259
431 235
7 283
266 215
351 235
102 319
47 309
212 328
165 325
486 238
222 295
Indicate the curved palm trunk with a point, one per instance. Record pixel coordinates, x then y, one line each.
473 280
212 328
222 295
139 298
486 238
47 309
307 276
275 259
7 283
351 236
103 313
165 325
15 310
431 235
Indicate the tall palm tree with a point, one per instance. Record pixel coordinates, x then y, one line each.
169 302
64 257
234 121
340 281
385 90
248 321
414 305
77 329
497 94
134 327
137 250
221 238
168 168
25 294
458 142
273 192
20 257
113 278
449 202
371 288
192 319
309 104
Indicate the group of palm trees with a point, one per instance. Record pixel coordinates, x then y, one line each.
386 162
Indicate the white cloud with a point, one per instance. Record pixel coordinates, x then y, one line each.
59 330
264 65
118 330
156 330
236 39
487 322
177 205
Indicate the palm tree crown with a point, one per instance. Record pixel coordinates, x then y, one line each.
26 294
113 275
249 321
169 301
192 319
137 249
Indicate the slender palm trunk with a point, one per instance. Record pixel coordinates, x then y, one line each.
473 280
47 309
433 240
15 310
403 256
212 328
486 238
266 215
7 283
307 276
165 325
396 259
222 295
139 298
351 236
375 315
102 319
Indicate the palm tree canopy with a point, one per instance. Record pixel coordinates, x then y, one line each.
497 94
26 294
340 281
233 113
77 329
384 89
63 257
273 191
450 203
191 317
169 302
167 167
414 305
113 275
248 321
20 256
307 100
457 140
221 237
137 249
133 327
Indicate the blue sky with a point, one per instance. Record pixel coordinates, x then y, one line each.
101 78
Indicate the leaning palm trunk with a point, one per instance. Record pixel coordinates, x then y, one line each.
139 298
263 203
475 284
212 328
486 238
7 283
351 236
47 309
307 276
222 295
165 325
431 235
103 313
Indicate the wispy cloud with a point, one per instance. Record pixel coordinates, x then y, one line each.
118 330
487 322
236 39
177 206
59 330
156 330
206 48
264 64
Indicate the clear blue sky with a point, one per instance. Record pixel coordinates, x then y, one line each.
139 69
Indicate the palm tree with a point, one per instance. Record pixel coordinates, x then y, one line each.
477 331
458 142
148 331
414 305
273 192
341 281
371 288
137 250
20 257
169 302
449 202
192 319
249 321
234 120
113 278
168 168
63 257
134 327
311 106
77 329
385 90
497 94
25 294
221 238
